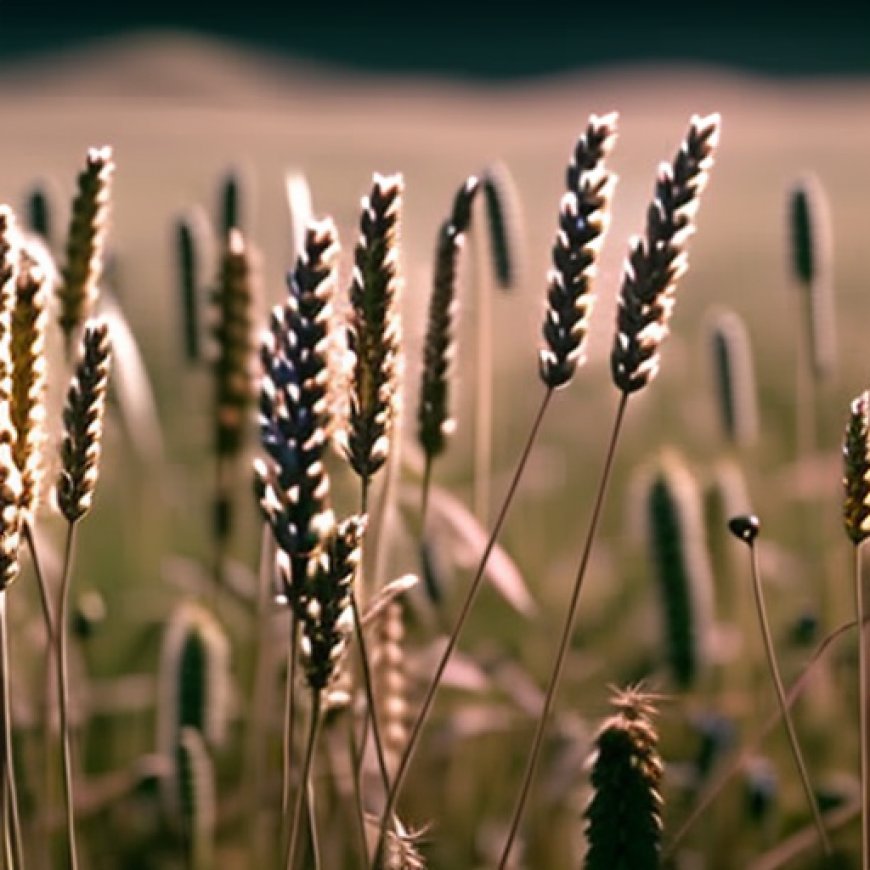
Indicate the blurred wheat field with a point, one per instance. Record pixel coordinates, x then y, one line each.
179 112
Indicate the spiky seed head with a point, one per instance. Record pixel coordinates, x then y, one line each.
374 328
657 261
856 470
624 816
83 424
77 290
584 215
504 219
434 422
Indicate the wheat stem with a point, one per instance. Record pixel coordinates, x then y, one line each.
11 822
780 690
567 630
42 585
863 663
63 692
289 713
314 730
453 639
355 760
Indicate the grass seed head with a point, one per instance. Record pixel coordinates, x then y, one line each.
856 470
659 259
584 215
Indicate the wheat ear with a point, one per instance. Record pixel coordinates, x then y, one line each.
504 219
681 564
39 210
856 520
374 329
588 146
388 668
77 291
659 259
434 421
746 528
74 492
734 377
190 237
624 816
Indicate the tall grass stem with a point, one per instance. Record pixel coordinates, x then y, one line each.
863 651
313 731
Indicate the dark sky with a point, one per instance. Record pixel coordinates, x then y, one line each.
476 38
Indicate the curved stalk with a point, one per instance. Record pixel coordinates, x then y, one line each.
781 698
470 596
314 730
567 630
63 693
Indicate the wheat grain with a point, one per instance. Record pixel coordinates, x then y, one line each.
83 424
657 261
433 414
77 290
584 214
374 328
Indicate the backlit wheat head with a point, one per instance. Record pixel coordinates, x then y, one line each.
374 327
856 471
433 414
659 259
295 412
77 290
83 424
584 214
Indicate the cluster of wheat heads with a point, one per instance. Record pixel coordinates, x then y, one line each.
332 776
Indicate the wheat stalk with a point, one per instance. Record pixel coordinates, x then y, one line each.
77 290
624 816
856 521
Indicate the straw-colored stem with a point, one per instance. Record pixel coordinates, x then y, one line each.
63 693
424 493
357 794
42 585
312 827
11 822
301 796
289 715
567 629
453 639
863 663
781 698
371 711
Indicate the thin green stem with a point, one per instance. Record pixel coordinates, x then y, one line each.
863 653
301 795
42 585
63 693
426 706
567 630
10 792
781 698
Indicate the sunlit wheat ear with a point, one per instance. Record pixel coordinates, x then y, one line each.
584 214
83 424
681 562
374 328
856 471
810 243
234 302
388 670
29 322
191 238
734 377
624 816
196 798
295 414
433 414
659 259
504 219
327 618
194 678
77 290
